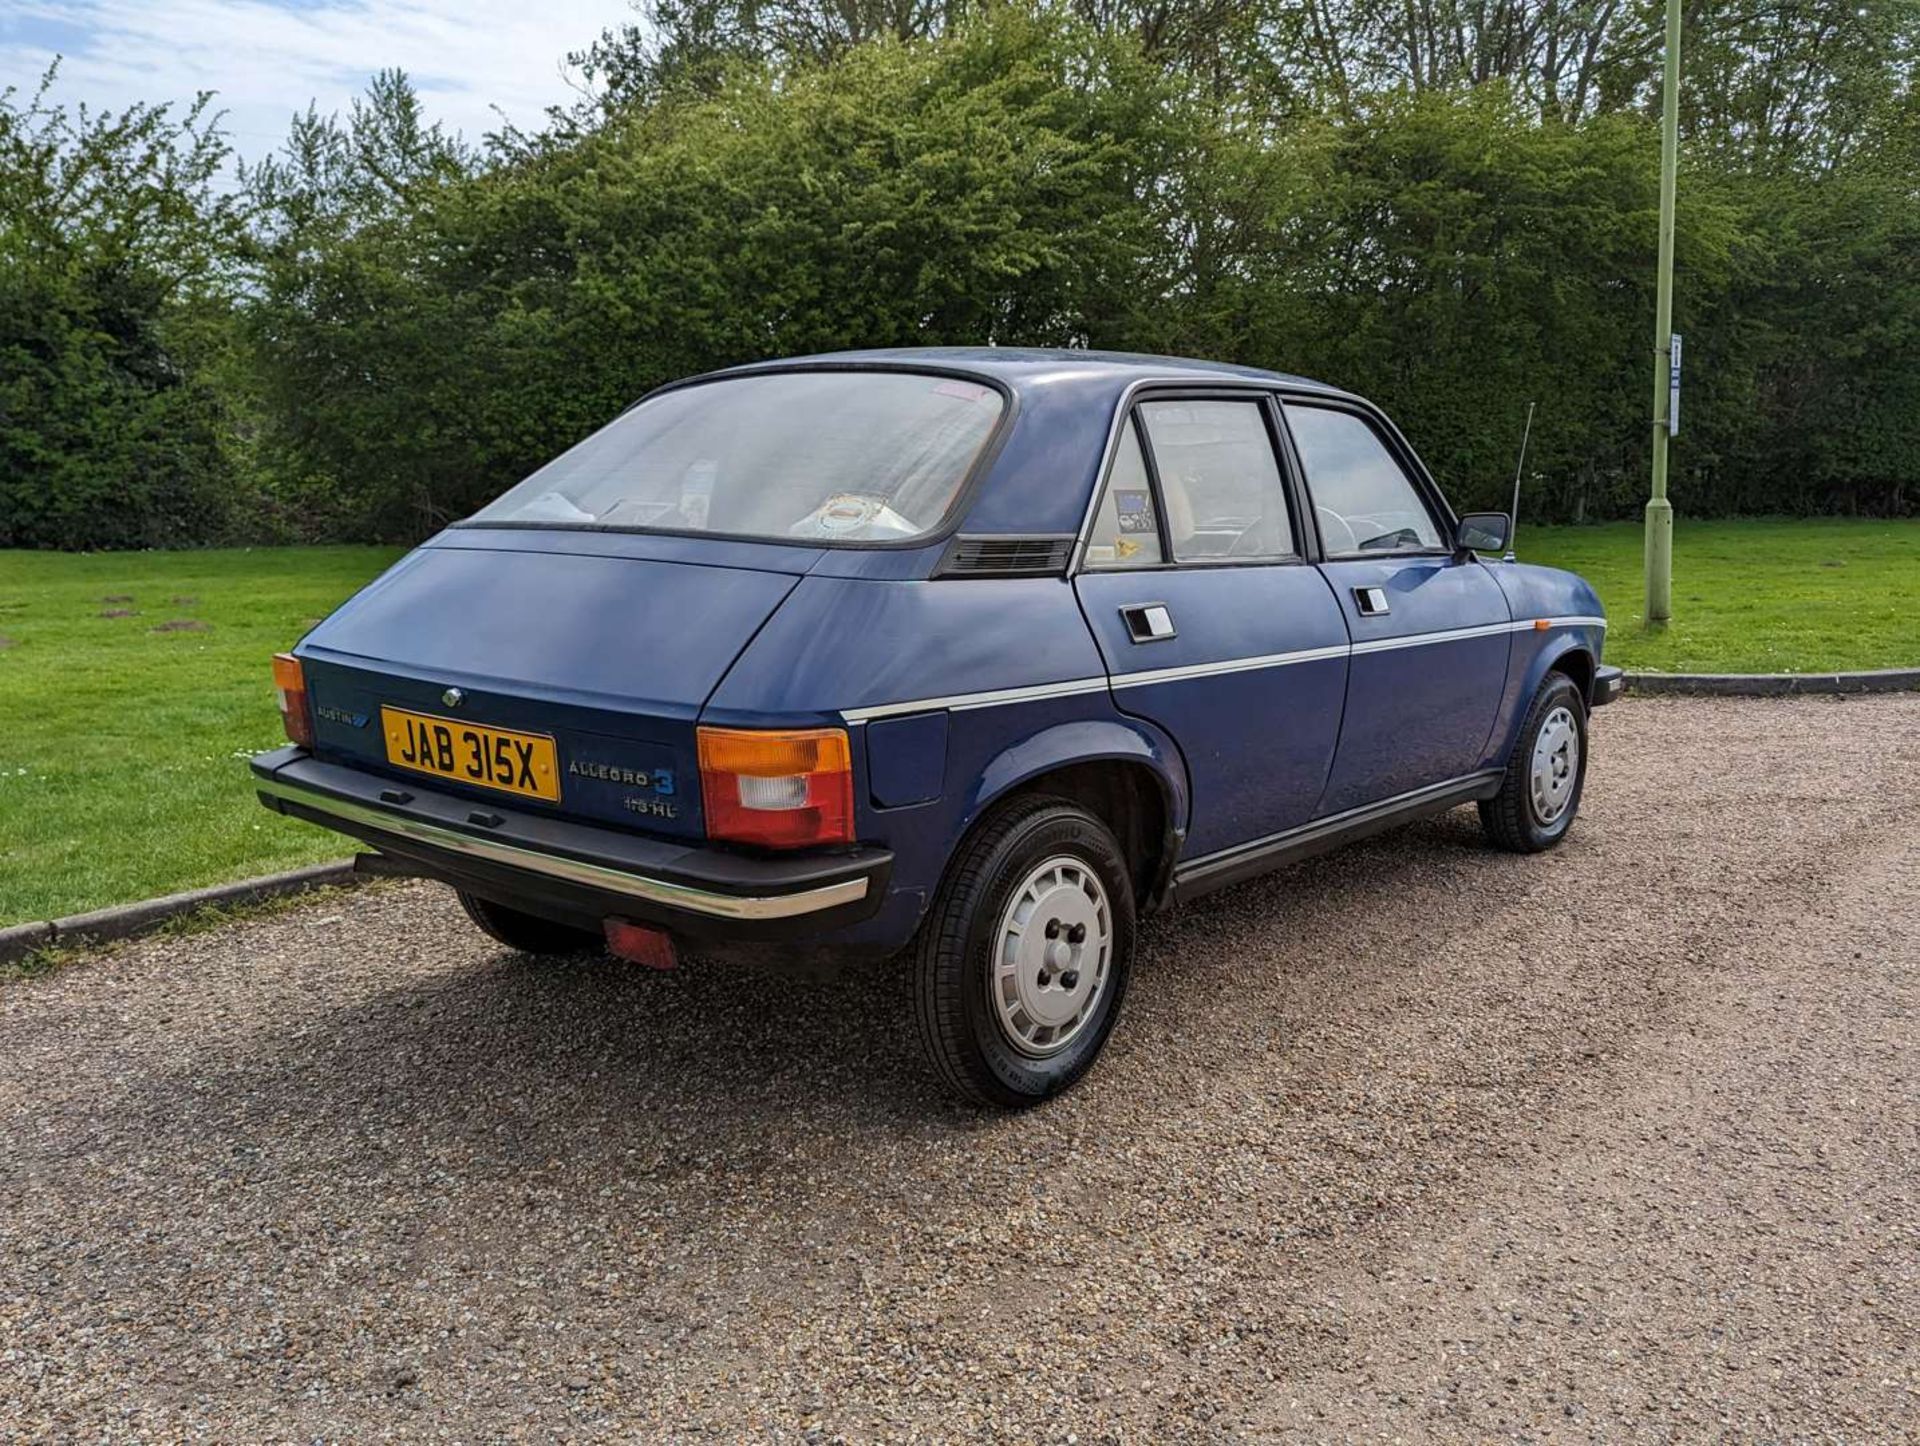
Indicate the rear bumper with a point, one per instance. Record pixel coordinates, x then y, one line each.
578 872
1608 684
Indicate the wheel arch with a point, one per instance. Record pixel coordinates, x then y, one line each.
1130 777
1573 655
1578 664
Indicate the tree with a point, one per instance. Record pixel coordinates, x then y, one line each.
116 257
1449 207
998 184
360 343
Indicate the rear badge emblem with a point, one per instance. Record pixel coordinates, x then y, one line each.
453 697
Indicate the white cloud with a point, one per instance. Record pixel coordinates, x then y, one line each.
266 61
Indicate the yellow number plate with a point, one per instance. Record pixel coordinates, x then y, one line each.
522 763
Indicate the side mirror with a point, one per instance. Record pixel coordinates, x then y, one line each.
1482 532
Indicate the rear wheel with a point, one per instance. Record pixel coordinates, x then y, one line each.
1023 959
529 933
1541 791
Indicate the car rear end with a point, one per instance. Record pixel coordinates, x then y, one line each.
515 708
472 716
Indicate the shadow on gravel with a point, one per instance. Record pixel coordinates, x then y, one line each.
712 1069
639 1154
715 1079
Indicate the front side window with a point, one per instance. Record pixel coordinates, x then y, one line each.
827 456
1125 532
1219 480
1362 499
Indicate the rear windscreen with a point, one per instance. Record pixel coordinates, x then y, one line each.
813 456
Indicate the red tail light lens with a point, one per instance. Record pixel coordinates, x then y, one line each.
291 684
780 790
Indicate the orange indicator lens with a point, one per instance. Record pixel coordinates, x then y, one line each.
291 684
777 788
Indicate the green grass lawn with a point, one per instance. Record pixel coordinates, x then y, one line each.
123 741
122 745
1768 596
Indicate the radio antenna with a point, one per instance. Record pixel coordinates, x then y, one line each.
1513 519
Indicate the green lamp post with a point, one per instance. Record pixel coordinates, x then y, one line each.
1666 346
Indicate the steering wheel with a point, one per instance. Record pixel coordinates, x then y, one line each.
1335 535
1253 540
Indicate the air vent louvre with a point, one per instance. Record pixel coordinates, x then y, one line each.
1007 556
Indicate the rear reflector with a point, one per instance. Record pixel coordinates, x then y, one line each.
780 789
638 944
291 684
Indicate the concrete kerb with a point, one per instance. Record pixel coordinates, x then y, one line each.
1775 685
123 921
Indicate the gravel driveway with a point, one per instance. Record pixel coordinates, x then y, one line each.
1417 1140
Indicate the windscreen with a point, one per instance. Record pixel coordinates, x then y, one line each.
814 456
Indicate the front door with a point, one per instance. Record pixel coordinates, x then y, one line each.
1430 632
1211 622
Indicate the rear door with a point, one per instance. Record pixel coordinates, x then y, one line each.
1430 632
1211 621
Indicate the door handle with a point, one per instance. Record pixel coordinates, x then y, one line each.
1147 622
1372 602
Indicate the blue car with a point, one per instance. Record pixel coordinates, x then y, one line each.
977 654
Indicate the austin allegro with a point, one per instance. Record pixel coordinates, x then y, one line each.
972 656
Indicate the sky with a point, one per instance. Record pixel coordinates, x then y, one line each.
266 59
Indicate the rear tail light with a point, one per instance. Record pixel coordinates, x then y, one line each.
291 683
781 790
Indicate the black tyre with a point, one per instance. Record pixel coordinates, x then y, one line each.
529 933
1022 961
1541 791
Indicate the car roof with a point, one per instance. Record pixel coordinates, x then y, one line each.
1021 367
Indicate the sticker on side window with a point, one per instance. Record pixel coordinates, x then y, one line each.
696 494
1135 509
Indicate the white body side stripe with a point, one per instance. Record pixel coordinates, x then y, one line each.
1071 687
993 699
1228 665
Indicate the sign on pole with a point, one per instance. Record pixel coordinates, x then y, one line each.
1673 386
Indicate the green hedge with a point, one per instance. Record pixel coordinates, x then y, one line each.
398 327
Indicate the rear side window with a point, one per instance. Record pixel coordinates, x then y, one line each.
1362 499
1125 532
1219 480
826 456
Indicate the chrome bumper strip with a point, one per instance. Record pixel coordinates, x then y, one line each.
574 871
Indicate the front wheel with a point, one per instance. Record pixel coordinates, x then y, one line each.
1022 961
1541 791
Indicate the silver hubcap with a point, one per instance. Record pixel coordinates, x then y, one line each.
1556 763
1051 956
